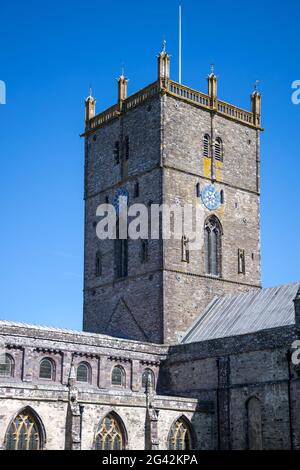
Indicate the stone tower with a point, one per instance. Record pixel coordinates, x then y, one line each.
170 144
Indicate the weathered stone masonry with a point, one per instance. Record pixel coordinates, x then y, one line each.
167 346
165 124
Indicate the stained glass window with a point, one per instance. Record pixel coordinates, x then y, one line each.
109 436
23 433
180 436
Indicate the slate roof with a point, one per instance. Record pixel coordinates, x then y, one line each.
239 314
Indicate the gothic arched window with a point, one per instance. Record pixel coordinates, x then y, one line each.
219 149
111 434
254 424
82 372
118 376
46 369
145 378
206 146
180 436
7 367
24 432
212 246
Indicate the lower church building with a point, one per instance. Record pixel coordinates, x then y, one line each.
181 348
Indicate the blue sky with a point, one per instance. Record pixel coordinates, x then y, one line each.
52 51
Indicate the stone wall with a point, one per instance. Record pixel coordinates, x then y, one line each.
187 289
166 159
229 371
50 399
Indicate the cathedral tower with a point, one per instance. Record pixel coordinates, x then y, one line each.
170 144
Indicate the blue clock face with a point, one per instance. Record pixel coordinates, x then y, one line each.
211 197
121 192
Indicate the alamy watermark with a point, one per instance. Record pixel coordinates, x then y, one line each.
296 94
2 92
295 358
139 221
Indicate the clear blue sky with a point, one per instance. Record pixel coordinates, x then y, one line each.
52 51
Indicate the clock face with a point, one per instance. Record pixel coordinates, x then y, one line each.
121 192
211 197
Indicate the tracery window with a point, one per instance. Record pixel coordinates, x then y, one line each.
180 436
109 435
24 433
212 246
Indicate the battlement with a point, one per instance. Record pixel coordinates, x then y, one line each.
164 85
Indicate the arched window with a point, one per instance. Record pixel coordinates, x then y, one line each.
212 246
83 372
7 367
111 434
118 376
46 369
254 424
206 146
219 149
98 264
180 435
24 432
148 374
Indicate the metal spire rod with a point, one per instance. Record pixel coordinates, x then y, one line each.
180 47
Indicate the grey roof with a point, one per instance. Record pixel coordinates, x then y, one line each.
55 329
239 314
